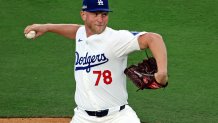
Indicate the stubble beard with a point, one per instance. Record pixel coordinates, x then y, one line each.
100 30
96 29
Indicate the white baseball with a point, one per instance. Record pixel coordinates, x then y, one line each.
31 34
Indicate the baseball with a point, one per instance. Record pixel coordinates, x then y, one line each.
30 35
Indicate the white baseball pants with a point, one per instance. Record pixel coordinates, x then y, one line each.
126 115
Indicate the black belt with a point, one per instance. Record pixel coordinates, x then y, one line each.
101 113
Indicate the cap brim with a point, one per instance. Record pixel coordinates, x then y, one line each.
99 10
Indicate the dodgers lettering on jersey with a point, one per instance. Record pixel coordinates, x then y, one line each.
88 61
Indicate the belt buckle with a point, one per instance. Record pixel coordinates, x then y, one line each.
101 113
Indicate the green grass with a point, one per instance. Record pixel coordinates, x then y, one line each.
36 77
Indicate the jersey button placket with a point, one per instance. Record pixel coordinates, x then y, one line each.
85 74
88 84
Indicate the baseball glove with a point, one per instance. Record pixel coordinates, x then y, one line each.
142 75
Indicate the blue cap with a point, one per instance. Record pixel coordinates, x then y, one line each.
95 5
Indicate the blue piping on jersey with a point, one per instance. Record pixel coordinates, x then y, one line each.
134 33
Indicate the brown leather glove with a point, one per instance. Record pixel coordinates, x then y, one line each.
142 75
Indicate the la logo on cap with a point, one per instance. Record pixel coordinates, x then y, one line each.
100 2
95 6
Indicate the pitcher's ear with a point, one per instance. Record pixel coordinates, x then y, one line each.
83 15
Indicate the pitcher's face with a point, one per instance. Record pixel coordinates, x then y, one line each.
95 22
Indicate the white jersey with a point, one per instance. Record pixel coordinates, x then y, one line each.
100 61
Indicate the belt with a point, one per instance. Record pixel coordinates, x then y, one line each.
101 113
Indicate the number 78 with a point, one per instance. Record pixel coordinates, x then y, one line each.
106 74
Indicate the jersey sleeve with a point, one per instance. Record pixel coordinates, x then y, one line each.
126 42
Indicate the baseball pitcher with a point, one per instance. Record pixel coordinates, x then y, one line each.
101 64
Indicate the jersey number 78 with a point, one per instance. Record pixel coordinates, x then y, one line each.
105 75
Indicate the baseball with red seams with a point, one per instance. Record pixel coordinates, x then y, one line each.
31 34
